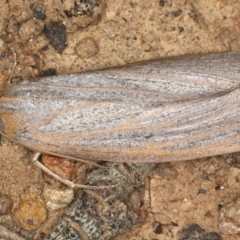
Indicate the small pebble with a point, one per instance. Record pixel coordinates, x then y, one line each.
56 199
87 48
39 15
212 169
31 29
229 220
1 42
194 231
135 199
6 204
166 171
38 7
30 213
55 32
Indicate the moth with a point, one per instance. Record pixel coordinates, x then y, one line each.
170 110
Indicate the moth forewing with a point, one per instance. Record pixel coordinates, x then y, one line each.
159 111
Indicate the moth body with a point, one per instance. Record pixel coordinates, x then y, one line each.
158 111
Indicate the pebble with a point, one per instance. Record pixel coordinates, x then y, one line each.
55 32
57 199
31 29
6 204
135 199
87 47
166 170
194 231
30 212
38 7
229 220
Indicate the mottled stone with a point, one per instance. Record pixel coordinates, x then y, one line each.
194 231
101 213
81 14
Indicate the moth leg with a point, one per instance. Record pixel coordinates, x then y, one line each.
65 181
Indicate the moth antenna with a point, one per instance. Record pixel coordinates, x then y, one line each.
60 179
81 160
71 158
